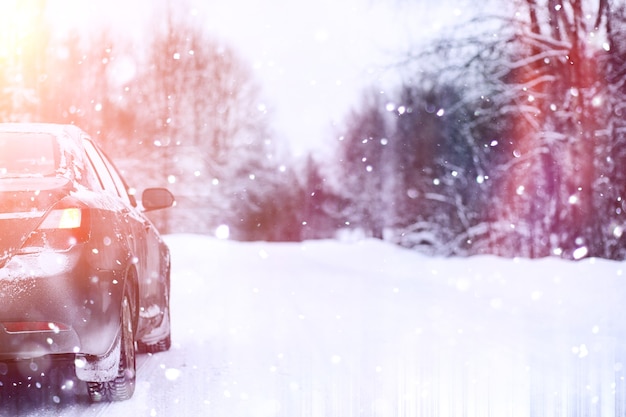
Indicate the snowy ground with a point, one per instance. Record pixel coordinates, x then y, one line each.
326 328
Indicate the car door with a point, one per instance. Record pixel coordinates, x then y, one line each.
146 245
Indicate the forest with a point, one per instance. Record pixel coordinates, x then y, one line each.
506 136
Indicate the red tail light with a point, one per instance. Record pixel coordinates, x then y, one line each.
61 228
67 218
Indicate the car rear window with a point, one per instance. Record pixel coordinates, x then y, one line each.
28 155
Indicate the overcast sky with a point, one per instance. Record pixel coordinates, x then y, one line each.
313 58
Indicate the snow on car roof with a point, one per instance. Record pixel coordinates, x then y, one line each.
52 128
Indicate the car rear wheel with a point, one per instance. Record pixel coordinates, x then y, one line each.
123 386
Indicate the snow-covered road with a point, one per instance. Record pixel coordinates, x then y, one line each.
326 328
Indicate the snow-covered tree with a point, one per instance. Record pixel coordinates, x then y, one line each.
76 87
201 115
540 100
320 201
550 88
528 125
610 184
362 167
409 171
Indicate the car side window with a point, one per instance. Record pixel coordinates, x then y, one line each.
109 179
121 186
87 173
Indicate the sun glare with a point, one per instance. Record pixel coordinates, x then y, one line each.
70 14
19 21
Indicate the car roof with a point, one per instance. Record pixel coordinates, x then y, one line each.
68 136
52 128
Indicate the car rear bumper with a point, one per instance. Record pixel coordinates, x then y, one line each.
29 344
57 303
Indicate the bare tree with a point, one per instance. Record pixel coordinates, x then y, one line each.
553 69
538 84
201 114
362 167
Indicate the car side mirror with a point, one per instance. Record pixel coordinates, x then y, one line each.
156 199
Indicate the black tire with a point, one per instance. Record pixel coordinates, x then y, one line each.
165 343
123 386
162 345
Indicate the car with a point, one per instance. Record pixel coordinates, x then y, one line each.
84 273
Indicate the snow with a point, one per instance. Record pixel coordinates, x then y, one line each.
364 328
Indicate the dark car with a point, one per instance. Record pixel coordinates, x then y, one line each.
84 275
